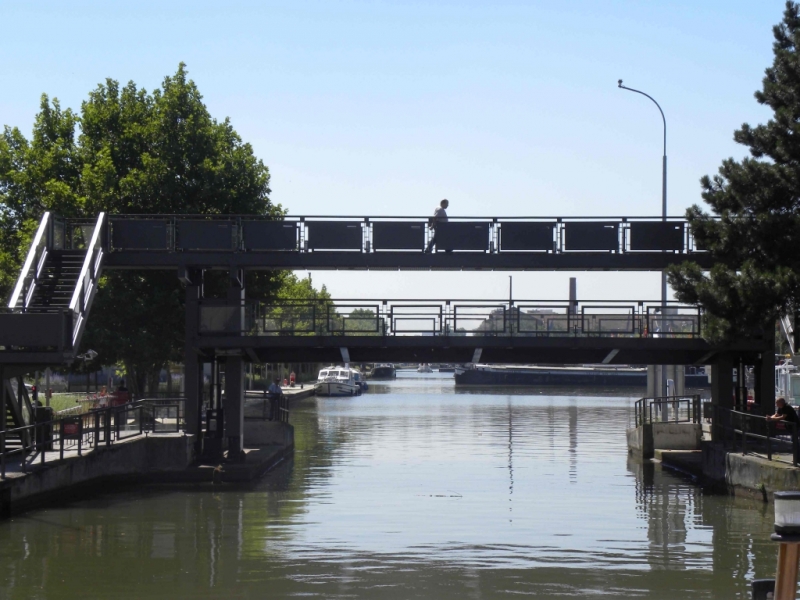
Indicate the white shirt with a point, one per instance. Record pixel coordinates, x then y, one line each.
439 215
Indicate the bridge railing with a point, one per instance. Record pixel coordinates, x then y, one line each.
668 409
516 318
371 234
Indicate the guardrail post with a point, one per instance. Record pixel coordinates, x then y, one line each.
795 446
744 435
769 442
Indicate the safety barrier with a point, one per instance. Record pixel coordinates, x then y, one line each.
756 434
370 234
668 409
379 317
99 426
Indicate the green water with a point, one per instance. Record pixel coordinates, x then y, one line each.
411 491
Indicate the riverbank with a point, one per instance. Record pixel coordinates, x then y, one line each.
154 459
732 472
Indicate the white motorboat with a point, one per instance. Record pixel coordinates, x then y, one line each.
424 368
337 381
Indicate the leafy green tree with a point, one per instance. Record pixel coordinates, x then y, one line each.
130 152
296 308
754 232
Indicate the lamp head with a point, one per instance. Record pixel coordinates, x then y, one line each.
787 513
619 83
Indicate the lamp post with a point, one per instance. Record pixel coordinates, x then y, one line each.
663 216
787 534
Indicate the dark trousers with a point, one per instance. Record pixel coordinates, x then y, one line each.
432 242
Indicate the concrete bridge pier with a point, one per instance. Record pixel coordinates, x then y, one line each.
193 371
234 406
674 372
234 369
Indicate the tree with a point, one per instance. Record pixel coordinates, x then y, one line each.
296 308
754 234
136 152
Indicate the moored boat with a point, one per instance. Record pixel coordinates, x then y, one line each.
337 381
383 371
424 368
576 376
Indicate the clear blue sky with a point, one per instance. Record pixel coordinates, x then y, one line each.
505 108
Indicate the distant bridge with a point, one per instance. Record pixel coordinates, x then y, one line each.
462 331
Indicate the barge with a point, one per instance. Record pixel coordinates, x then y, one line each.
501 375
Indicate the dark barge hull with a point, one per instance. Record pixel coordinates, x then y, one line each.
565 377
383 373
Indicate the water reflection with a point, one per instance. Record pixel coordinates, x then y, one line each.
412 490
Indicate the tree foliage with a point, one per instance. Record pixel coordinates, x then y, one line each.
128 152
754 232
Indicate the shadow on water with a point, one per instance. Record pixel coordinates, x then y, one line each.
412 491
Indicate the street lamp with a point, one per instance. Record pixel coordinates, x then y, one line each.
787 534
663 213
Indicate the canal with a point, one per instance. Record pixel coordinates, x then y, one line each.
413 490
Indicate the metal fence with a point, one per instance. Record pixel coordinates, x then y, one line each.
100 426
520 318
267 407
669 409
756 434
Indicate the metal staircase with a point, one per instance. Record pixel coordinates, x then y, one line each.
46 314
18 412
48 309
57 281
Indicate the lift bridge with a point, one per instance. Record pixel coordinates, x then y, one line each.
49 307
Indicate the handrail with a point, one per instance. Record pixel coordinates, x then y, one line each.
724 420
87 263
29 259
788 332
93 426
87 281
643 409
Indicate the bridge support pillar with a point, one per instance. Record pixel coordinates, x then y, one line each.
193 373
234 370
234 407
658 373
764 370
721 391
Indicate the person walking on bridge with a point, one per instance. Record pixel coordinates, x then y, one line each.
439 216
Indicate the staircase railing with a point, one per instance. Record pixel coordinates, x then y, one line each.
788 332
86 286
32 269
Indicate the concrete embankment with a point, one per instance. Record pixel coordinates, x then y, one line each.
732 472
680 447
162 458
